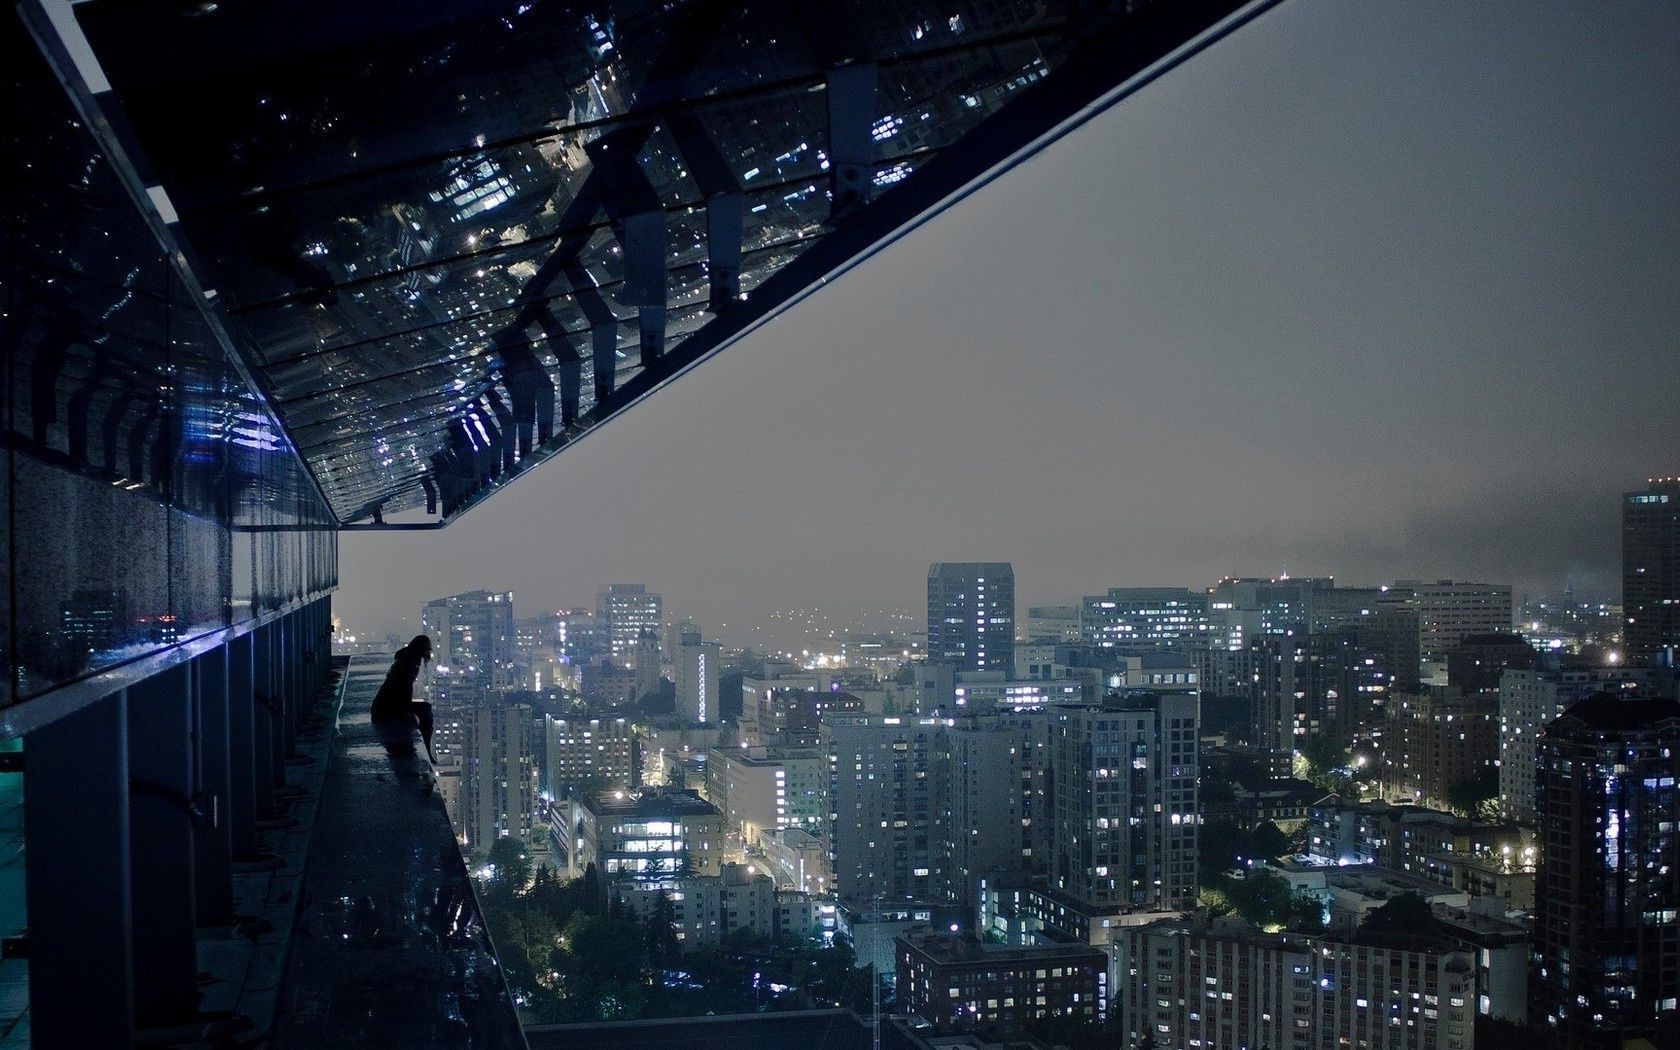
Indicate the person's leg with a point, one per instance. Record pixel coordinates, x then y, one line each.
423 712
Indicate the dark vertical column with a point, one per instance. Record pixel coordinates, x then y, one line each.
269 748
244 788
161 848
213 845
76 862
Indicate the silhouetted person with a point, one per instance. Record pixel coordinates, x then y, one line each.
395 711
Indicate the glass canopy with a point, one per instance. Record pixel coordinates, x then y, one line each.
450 238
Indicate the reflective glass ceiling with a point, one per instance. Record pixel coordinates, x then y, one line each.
450 238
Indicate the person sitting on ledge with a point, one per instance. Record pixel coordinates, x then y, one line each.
396 714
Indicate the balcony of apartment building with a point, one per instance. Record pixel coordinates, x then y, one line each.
277 271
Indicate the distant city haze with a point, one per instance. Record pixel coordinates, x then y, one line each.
1367 290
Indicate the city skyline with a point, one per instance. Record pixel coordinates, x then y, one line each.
1389 381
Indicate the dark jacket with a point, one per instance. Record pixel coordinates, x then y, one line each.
395 698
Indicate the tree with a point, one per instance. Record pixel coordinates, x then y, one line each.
1406 915
510 868
1469 795
1263 898
664 949
1266 841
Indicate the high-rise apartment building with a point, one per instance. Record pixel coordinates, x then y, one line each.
589 754
696 666
996 765
1147 617
1440 744
475 649
1280 665
498 775
1222 983
971 615
1651 573
1607 896
1123 805
624 611
1529 699
1448 610
887 820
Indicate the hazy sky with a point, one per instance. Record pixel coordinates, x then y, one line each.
1371 290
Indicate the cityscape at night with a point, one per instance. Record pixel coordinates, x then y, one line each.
1182 549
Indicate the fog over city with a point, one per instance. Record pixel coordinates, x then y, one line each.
1371 291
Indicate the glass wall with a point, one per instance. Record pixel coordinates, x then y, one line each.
149 496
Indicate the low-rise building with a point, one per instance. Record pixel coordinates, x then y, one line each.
955 983
651 836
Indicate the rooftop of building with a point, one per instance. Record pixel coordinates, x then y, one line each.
1621 712
650 803
951 948
810 1029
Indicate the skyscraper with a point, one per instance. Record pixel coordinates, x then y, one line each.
1448 610
1607 896
696 667
1278 698
971 615
498 776
887 816
1123 803
1651 572
625 610
474 646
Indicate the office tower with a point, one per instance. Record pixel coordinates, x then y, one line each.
1149 617
971 615
1056 624
498 776
1607 900
1221 983
1441 747
696 666
1651 573
594 754
624 611
579 637
644 660
1277 694
1240 609
765 790
1529 699
474 646
887 822
1123 803
652 837
1448 610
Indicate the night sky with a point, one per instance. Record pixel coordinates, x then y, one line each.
1368 290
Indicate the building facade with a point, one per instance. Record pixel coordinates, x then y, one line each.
590 754
971 615
1607 899
1123 809
953 983
474 646
1651 573
624 611
1222 983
